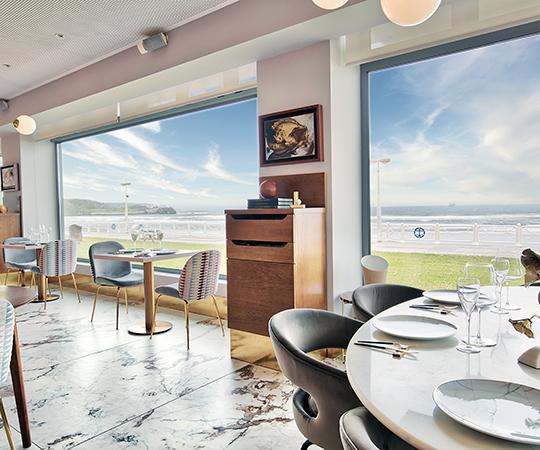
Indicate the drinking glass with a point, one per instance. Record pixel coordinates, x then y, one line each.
159 237
501 266
468 290
485 273
134 237
515 272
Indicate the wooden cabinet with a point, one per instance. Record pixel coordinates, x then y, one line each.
10 226
276 260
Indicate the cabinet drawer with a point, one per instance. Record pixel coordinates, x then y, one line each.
260 251
256 291
260 227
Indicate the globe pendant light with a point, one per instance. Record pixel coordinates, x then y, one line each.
409 13
330 4
24 125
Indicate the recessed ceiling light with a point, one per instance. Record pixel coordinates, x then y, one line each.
7 66
59 35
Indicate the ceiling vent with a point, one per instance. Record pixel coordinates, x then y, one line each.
152 43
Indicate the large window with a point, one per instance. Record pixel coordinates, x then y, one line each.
453 150
169 179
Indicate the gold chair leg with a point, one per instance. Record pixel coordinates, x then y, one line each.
33 279
6 278
61 288
18 278
6 426
186 312
95 301
126 300
218 316
117 305
155 314
75 285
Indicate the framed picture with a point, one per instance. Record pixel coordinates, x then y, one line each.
9 177
293 136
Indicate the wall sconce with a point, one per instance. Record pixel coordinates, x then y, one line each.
25 125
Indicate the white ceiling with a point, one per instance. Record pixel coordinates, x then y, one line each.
92 29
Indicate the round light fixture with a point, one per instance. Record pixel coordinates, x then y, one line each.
330 4
409 13
24 125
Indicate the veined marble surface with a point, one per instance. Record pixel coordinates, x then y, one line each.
91 387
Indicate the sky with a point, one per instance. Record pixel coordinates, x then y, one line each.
203 160
461 129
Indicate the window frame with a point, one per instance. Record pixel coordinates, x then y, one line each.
216 102
450 48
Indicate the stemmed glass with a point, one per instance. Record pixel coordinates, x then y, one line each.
485 273
468 290
159 237
515 272
501 266
134 237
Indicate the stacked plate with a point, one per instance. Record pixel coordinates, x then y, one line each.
414 327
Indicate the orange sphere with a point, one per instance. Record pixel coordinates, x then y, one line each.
268 189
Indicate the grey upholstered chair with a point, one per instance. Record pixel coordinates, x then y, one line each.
18 260
117 274
370 300
359 430
324 392
198 281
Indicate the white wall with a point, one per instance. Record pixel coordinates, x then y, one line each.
316 75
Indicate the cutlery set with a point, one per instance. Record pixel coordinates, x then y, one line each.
440 309
395 349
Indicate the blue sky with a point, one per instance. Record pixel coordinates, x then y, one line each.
460 129
207 159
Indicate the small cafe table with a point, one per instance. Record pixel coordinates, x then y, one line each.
148 268
41 279
398 392
19 296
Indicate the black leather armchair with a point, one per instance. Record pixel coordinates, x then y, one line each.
324 392
370 300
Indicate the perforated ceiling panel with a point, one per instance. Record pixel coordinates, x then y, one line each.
92 29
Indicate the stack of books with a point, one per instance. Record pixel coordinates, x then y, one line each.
277 202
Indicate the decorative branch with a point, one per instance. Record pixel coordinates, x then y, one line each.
524 326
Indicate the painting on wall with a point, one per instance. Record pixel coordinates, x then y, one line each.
9 177
292 136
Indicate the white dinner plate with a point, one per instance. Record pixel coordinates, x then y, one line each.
447 296
414 327
505 410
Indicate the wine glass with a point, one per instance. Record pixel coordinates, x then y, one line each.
159 237
501 266
468 290
515 272
134 237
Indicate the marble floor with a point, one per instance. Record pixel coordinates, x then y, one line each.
92 387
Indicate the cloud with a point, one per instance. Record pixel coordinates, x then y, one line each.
97 152
214 168
149 151
154 127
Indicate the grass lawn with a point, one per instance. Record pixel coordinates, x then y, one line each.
427 271
82 250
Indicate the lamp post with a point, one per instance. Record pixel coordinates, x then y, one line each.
126 186
379 209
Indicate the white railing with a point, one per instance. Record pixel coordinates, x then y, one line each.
475 234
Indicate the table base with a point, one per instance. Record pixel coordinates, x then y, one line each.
140 328
50 298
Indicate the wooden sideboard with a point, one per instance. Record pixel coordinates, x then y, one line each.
276 260
10 226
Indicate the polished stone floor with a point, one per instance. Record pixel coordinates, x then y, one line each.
92 387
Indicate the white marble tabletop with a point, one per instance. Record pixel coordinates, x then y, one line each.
398 392
151 257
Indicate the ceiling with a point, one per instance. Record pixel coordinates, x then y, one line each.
91 29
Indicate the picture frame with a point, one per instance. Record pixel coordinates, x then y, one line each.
9 178
292 136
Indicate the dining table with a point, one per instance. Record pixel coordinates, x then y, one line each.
42 294
147 259
19 296
399 391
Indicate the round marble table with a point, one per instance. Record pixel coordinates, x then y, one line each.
398 392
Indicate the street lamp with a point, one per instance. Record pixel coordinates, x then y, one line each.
126 186
379 161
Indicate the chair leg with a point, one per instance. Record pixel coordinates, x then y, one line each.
155 314
126 300
18 278
186 313
218 316
95 301
6 426
61 288
117 305
306 444
6 278
23 278
75 285
47 289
